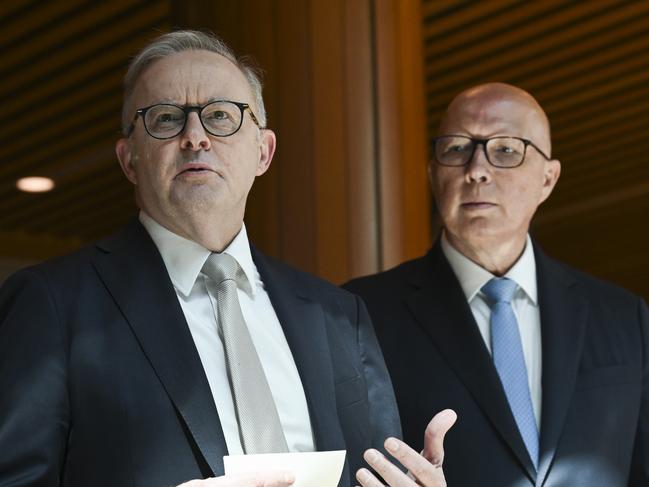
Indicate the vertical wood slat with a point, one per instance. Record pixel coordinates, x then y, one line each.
361 144
404 191
330 126
389 148
297 230
417 198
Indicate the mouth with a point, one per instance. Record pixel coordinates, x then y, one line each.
195 169
477 205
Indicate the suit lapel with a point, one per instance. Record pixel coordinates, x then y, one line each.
134 274
564 313
302 320
440 307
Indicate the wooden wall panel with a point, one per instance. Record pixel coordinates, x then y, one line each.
404 192
331 125
361 147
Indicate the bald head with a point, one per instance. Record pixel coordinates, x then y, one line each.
496 108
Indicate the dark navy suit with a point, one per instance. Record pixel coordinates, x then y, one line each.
595 376
101 383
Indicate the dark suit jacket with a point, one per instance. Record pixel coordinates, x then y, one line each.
101 383
595 379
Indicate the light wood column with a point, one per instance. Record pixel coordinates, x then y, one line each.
404 196
347 192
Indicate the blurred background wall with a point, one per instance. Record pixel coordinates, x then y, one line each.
354 90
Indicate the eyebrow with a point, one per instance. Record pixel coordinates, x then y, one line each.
171 101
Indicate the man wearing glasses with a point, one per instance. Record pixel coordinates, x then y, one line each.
547 368
144 359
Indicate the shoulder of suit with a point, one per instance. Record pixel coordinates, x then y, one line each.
61 265
314 286
74 265
597 290
400 274
57 277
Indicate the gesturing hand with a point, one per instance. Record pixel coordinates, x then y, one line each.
425 469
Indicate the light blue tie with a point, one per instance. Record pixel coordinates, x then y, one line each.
508 358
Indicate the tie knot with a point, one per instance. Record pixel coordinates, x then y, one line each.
224 267
500 290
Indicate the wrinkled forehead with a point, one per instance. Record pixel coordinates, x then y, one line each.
489 116
191 78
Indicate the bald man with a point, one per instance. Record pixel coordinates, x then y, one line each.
547 368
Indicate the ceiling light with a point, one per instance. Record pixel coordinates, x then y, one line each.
35 184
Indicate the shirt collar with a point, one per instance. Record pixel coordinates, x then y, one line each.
472 276
185 258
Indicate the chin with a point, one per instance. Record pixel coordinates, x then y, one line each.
201 198
480 230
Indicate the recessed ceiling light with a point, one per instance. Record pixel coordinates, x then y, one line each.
35 184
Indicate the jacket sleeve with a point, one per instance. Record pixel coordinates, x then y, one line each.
34 406
384 416
640 461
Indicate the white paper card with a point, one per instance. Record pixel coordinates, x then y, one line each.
311 469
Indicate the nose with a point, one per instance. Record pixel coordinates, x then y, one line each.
478 169
194 137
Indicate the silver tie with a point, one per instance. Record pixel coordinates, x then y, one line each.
260 429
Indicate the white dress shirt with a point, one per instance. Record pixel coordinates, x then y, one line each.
184 260
525 304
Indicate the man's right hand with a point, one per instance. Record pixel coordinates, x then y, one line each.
424 469
259 479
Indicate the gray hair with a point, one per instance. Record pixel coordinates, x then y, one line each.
188 40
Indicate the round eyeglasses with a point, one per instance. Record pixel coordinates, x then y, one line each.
220 118
501 151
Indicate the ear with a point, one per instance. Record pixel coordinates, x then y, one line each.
266 150
432 169
429 169
551 173
123 151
